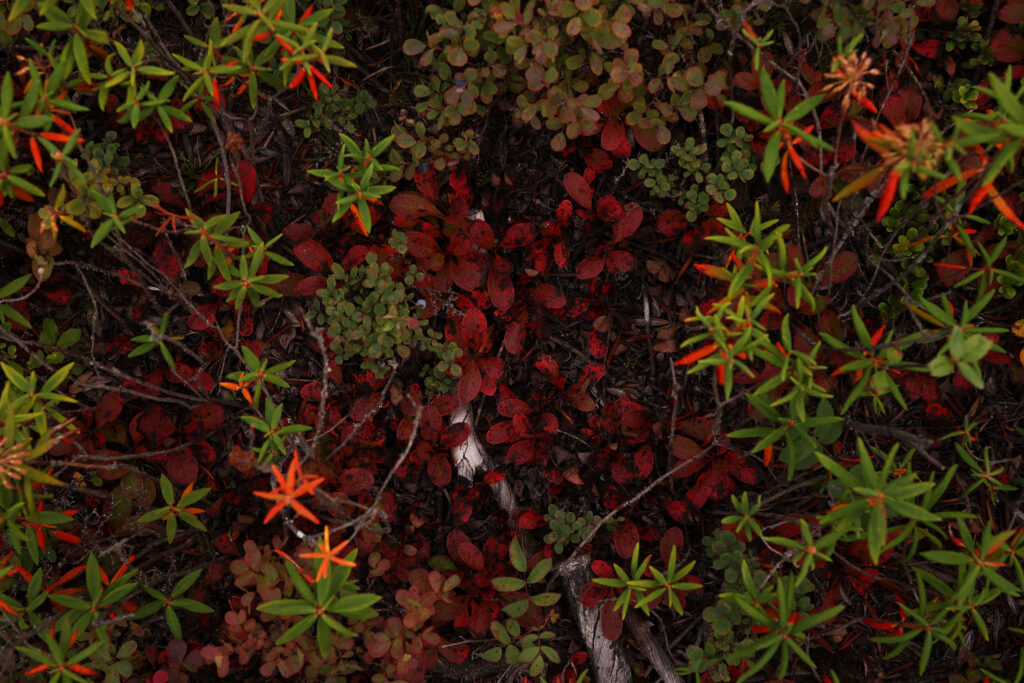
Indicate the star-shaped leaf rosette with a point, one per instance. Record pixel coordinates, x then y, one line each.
290 488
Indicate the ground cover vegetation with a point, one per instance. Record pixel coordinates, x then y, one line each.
547 340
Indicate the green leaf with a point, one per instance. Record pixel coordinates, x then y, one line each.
287 607
296 630
748 112
354 603
517 609
946 557
517 556
546 599
803 108
14 286
173 623
152 515
149 609
192 606
539 571
507 584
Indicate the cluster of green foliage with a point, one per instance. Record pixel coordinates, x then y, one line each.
370 315
554 63
692 184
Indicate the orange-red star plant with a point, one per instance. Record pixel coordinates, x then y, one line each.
290 488
328 555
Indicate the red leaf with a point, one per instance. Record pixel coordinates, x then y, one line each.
491 370
456 653
685 448
514 406
598 160
153 425
413 205
166 258
311 391
471 556
204 316
579 189
530 519
741 470
745 81
355 480
519 235
108 408
526 451
927 48
647 138
613 135
547 365
298 232
473 331
628 223
499 284
455 435
625 539
611 622
1008 46
1012 12
622 473
493 478
678 511
592 372
561 254
602 569
60 295
699 494
844 267
453 540
591 594
308 286
246 179
166 194
467 274
918 386
182 468
482 235
672 538
439 469
713 484
514 336
608 208
590 268
548 296
421 245
671 222
643 461
502 432
546 422
426 183
313 255
563 212
596 345
619 261
948 9
469 383
209 416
